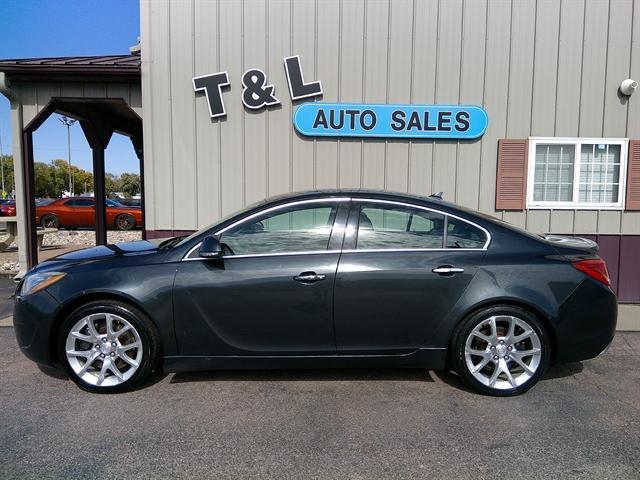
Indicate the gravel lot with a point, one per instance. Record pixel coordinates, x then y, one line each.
581 421
61 242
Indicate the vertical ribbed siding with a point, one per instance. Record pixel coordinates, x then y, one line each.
512 174
538 68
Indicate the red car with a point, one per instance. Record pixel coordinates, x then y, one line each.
8 209
75 212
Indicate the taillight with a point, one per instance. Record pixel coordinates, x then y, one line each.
596 268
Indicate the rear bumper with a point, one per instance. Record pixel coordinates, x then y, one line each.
586 322
32 320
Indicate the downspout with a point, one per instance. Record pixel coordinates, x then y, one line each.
18 173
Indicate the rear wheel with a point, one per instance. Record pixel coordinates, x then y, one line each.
125 222
501 351
108 346
50 221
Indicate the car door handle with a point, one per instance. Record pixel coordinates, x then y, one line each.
447 270
309 277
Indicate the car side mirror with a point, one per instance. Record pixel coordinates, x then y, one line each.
210 248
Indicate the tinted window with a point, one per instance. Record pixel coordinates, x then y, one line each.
301 228
392 227
464 235
80 202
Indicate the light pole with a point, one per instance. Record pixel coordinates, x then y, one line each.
67 122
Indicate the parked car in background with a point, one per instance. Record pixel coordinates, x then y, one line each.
76 212
8 208
130 202
343 278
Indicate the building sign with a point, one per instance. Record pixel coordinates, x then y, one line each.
390 121
345 119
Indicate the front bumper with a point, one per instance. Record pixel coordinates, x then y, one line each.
586 322
33 318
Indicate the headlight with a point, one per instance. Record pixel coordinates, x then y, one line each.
39 281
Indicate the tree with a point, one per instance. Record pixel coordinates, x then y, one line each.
130 184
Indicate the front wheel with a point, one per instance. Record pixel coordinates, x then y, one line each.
108 346
501 351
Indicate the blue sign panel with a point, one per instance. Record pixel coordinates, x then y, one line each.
390 121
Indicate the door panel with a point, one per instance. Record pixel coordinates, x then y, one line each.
253 306
390 302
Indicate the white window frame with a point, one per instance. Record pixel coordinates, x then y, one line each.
575 205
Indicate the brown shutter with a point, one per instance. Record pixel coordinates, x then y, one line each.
633 176
511 181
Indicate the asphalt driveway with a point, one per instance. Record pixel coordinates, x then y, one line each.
581 421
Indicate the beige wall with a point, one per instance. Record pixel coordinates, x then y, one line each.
541 68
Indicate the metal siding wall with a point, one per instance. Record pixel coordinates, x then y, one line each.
538 67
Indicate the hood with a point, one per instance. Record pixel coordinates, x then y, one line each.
105 251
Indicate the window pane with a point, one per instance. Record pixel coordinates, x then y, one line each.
599 173
295 229
553 179
464 235
399 227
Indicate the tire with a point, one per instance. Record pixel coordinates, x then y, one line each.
50 221
124 221
133 336
486 352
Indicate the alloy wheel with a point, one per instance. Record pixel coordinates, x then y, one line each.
503 352
104 349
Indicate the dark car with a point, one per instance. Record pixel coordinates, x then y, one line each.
323 279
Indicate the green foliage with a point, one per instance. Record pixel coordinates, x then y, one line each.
51 179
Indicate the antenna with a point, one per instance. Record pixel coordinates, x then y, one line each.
437 196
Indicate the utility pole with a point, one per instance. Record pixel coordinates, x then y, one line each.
68 122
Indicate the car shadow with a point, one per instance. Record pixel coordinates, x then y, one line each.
562 370
304 375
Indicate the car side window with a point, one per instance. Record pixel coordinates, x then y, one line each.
397 227
80 202
461 234
299 228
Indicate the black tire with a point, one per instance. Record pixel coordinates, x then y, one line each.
50 221
459 358
148 334
124 221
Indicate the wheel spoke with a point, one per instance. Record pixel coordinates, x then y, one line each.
512 328
103 371
119 333
494 375
129 346
81 353
528 332
114 369
473 351
109 321
507 372
129 360
494 330
527 353
92 328
88 363
486 359
482 336
83 337
518 360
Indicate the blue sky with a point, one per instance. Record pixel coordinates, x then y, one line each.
54 28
